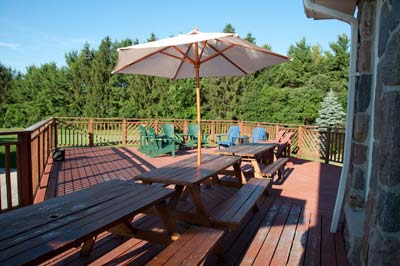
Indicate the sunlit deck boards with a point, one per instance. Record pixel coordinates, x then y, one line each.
291 227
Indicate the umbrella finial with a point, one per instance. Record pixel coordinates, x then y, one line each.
195 29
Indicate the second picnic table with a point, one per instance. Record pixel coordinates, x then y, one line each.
187 173
256 154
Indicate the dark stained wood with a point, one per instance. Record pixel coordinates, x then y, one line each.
313 252
60 229
261 235
256 154
232 212
339 248
187 172
190 249
275 167
327 244
296 256
311 186
282 250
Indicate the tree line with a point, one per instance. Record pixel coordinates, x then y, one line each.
288 93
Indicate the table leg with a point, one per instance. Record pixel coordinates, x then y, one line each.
201 214
257 168
175 197
167 220
239 173
87 247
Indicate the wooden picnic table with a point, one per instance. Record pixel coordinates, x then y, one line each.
186 174
35 233
256 154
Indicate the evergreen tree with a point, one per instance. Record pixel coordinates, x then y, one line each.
331 113
229 29
267 46
250 38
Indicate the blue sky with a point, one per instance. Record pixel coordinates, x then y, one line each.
42 31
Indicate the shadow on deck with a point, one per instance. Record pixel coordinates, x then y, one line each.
291 227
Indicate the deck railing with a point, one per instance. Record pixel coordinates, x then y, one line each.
307 141
30 148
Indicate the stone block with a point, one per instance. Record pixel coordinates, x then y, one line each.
367 18
388 211
360 154
388 66
358 178
383 250
361 127
363 92
388 152
384 29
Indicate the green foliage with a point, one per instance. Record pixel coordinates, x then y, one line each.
229 29
331 114
287 93
249 37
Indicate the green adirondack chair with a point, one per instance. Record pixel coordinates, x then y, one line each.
168 131
153 145
161 144
192 137
143 140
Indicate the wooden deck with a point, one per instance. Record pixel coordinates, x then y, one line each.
292 226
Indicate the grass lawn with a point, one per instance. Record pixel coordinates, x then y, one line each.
5 139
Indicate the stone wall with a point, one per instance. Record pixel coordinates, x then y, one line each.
363 106
381 245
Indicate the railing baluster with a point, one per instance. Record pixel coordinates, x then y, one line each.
8 176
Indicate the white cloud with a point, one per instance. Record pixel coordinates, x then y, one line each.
13 46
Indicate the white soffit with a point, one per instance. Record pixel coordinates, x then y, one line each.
344 6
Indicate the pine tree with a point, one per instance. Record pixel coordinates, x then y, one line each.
331 113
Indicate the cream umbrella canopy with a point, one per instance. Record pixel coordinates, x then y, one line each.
194 55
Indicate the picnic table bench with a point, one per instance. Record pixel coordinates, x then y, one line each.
33 234
191 248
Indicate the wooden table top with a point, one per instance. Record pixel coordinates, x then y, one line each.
187 172
37 232
247 150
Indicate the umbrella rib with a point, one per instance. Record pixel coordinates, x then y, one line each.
219 52
176 57
202 50
180 65
255 49
140 59
184 55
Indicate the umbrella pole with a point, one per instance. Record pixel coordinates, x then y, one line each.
197 67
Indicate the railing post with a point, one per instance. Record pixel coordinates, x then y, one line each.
156 126
276 130
91 142
123 131
185 125
24 169
300 142
212 133
55 133
241 127
328 144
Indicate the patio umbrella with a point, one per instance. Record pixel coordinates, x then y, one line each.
194 55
